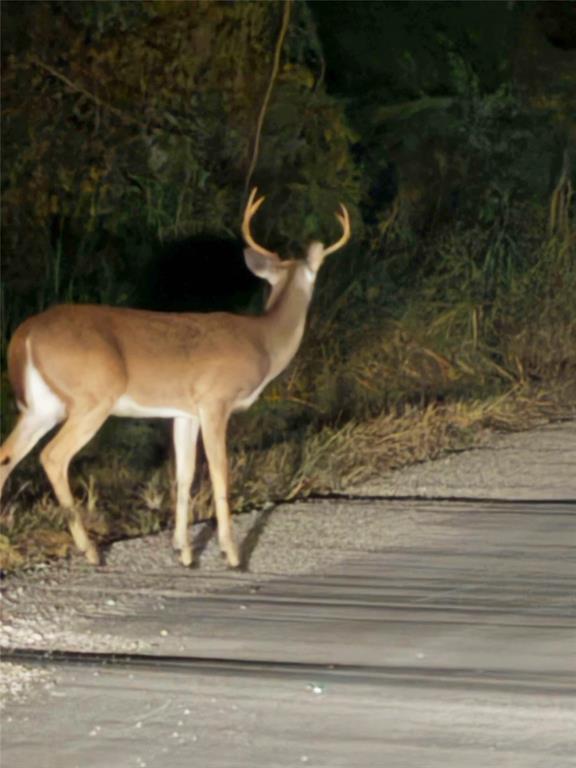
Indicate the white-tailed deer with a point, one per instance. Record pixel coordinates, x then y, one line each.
79 364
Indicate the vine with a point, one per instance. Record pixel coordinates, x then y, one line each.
267 95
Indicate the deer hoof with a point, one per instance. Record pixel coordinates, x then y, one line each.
186 556
92 555
233 560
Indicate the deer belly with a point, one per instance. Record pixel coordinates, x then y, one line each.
127 407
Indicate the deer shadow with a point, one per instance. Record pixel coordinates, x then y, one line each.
208 531
253 536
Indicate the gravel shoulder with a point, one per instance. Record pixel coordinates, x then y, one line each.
71 606
537 465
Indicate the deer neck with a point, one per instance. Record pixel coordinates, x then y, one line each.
282 324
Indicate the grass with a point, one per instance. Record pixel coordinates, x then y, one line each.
122 498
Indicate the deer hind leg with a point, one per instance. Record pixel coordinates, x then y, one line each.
81 425
214 423
185 440
30 428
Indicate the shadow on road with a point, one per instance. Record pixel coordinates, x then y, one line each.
201 541
253 536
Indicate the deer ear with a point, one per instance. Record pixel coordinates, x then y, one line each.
268 267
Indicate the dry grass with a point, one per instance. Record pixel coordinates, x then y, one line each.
333 459
125 502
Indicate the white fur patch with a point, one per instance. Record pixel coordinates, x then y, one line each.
40 400
315 256
306 277
127 407
310 275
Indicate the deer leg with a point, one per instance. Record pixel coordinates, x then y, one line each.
185 440
214 423
78 429
29 428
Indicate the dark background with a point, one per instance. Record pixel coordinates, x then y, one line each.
129 145
128 130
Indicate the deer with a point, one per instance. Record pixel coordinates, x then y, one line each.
78 364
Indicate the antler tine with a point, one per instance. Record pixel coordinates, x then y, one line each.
344 219
251 207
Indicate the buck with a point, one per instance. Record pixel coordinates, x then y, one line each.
79 364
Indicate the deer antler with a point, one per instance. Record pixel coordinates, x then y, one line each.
251 207
344 220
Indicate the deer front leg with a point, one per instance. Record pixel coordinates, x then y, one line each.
185 440
214 422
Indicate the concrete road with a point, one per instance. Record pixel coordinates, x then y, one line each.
453 644
459 650
174 719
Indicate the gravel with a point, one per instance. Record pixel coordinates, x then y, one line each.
56 606
536 465
16 681
59 606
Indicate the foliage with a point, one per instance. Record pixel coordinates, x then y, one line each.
129 127
129 124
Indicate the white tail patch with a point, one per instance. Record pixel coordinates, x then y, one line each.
41 401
